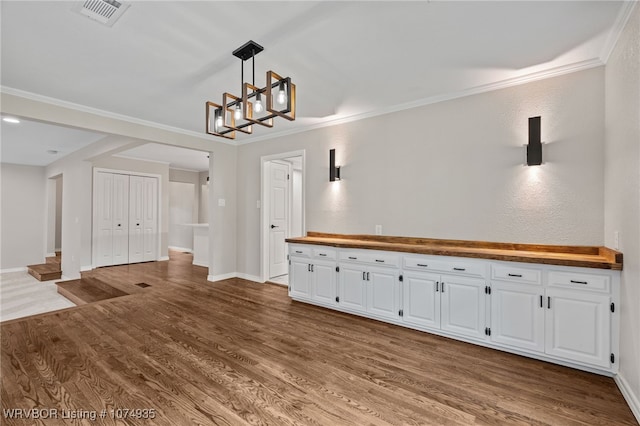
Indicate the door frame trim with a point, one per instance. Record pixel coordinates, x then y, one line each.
264 213
94 207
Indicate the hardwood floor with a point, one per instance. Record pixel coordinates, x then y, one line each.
237 352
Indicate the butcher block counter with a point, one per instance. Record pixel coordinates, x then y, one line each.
579 256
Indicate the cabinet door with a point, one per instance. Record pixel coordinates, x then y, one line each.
383 292
300 279
324 282
352 288
517 317
421 299
577 326
463 306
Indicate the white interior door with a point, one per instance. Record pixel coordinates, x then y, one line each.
150 219
279 174
104 219
136 215
120 219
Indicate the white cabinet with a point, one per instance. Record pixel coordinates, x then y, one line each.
324 282
517 315
554 313
352 286
421 299
463 306
311 278
300 278
383 292
569 318
577 326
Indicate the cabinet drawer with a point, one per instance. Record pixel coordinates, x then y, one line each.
420 263
299 251
518 275
466 268
370 257
324 253
580 281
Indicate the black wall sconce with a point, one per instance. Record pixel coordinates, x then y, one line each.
534 148
334 171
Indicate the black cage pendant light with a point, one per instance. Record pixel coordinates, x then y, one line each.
255 105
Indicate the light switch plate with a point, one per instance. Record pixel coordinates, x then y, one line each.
221 202
616 240
378 229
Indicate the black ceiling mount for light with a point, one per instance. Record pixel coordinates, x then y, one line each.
334 171
239 113
534 147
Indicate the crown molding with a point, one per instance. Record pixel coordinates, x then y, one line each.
103 113
616 31
527 78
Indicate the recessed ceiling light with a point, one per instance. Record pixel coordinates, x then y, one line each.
11 120
52 152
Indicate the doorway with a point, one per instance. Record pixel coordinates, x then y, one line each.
282 203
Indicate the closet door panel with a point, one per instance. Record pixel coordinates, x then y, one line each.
120 219
150 218
136 217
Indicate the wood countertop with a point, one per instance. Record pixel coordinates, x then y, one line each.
580 256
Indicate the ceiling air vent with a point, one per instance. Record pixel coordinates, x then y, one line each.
106 12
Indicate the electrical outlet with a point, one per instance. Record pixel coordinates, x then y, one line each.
616 240
221 202
378 229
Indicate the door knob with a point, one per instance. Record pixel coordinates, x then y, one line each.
137 224
119 225
273 226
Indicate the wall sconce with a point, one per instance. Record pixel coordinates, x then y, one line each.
534 148
334 171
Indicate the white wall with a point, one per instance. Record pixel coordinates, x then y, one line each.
622 194
22 222
452 170
58 210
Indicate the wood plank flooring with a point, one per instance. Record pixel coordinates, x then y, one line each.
237 352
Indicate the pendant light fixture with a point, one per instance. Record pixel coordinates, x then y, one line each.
256 105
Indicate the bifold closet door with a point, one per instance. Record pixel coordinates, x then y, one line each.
143 219
112 219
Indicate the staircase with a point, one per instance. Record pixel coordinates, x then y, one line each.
47 271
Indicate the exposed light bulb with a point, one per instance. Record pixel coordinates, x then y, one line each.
218 120
257 106
238 112
282 95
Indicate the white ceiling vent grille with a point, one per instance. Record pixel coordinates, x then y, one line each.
106 12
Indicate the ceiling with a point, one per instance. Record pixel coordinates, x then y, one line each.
162 61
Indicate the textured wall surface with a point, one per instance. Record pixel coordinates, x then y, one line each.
452 170
622 190
22 230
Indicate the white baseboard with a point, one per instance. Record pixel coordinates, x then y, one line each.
163 258
632 399
195 262
214 278
249 277
86 268
8 270
188 250
50 255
